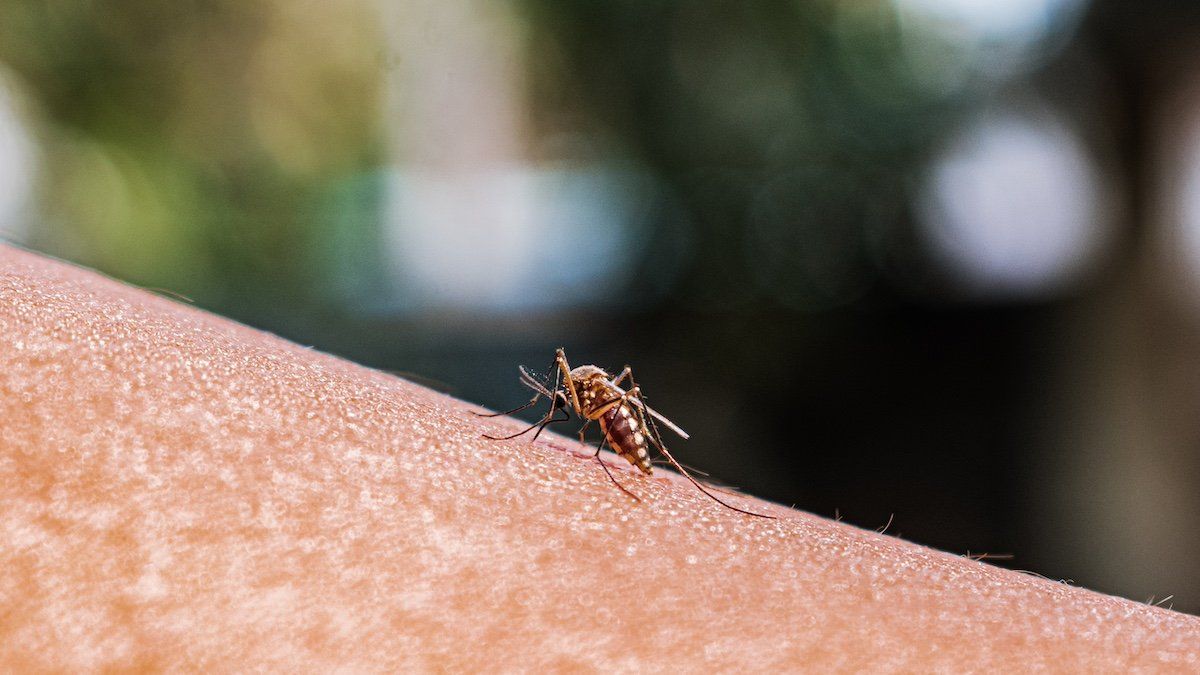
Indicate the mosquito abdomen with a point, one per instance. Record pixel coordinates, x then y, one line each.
625 434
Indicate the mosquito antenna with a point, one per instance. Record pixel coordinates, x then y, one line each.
656 438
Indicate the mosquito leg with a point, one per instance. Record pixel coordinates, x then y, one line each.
699 486
532 384
625 372
656 439
521 433
538 393
533 401
567 416
604 466
546 420
553 406
632 382
663 462
541 424
560 360
596 456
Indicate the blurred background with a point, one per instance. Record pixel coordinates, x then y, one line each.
932 262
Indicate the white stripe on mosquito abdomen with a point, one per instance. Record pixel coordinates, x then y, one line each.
623 430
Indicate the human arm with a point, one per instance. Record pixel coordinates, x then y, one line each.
182 491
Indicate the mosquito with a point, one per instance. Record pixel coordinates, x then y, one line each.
628 425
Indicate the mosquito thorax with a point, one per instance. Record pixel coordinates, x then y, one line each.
584 374
592 385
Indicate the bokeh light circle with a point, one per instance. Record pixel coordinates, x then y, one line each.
1014 205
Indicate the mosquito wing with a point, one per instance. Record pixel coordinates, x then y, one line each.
530 381
666 422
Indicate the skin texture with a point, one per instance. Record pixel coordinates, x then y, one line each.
180 491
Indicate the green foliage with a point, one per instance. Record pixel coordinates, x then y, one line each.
788 130
192 145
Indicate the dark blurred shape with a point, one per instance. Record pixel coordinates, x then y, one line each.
786 132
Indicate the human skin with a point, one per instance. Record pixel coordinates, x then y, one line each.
182 492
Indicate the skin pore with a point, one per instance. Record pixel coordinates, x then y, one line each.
180 491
